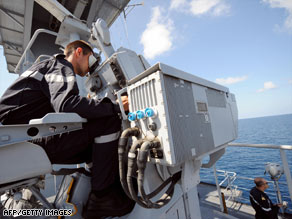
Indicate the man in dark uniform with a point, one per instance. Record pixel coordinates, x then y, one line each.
50 86
260 201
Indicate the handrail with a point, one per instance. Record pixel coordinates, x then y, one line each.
230 177
271 146
248 178
282 149
36 33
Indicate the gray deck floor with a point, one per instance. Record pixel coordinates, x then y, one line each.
209 202
210 205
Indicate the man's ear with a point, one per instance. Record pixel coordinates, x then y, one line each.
79 51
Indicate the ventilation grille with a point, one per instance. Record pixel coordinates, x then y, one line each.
144 96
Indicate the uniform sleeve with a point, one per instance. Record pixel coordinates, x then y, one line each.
64 96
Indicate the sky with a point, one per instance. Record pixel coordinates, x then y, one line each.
243 45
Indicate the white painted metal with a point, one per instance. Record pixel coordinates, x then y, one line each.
275 170
8 14
12 22
214 157
34 164
95 7
81 4
108 10
27 21
220 134
103 31
286 171
271 146
171 71
55 8
10 134
74 36
13 47
23 57
58 118
102 35
278 196
129 62
218 188
190 180
151 91
71 26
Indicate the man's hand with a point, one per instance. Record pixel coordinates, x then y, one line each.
125 103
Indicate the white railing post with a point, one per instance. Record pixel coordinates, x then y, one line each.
286 171
218 188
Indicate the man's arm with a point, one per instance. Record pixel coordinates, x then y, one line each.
64 96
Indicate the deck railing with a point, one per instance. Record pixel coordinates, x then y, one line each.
230 182
229 178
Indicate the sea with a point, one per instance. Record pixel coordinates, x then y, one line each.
250 162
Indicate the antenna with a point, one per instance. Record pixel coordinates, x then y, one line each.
129 8
125 27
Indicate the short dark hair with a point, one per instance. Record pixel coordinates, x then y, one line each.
70 48
259 181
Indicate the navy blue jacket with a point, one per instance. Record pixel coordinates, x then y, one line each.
49 86
263 206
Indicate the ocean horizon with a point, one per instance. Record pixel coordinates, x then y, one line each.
257 117
250 162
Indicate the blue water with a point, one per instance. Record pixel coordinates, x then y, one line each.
250 162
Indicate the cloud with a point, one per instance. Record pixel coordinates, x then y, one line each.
215 7
177 4
267 86
287 5
157 37
201 7
290 81
221 9
230 80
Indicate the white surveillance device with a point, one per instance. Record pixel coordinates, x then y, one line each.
190 116
275 170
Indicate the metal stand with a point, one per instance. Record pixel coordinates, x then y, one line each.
190 180
279 197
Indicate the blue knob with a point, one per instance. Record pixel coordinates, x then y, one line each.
132 117
140 114
149 112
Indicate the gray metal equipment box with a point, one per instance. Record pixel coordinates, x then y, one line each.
191 116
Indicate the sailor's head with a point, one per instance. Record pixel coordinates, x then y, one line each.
261 183
80 54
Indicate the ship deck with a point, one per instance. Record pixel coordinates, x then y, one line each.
210 205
